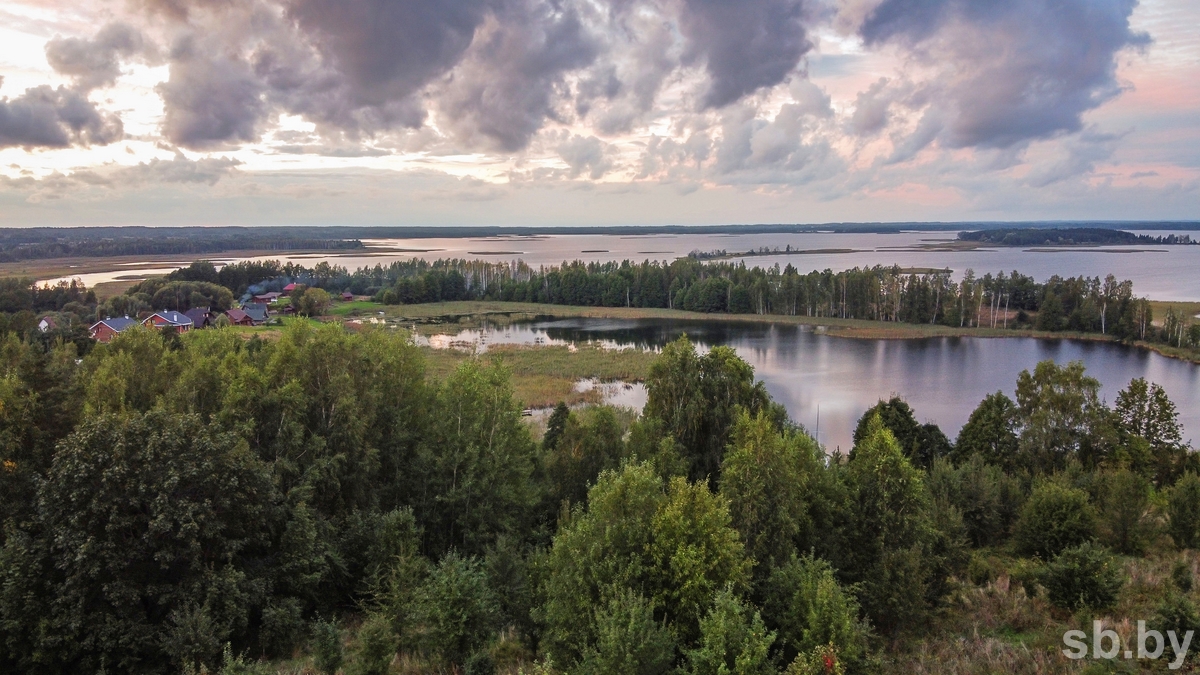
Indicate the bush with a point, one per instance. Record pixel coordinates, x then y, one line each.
1183 511
376 647
457 609
327 647
809 610
1177 613
1126 496
1054 519
1083 577
732 641
629 640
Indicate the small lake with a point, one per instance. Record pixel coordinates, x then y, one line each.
942 378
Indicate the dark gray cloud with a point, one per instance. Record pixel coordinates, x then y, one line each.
745 44
97 62
45 117
508 85
1015 71
211 99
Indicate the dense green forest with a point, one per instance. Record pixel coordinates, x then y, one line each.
39 243
1068 236
1004 300
319 503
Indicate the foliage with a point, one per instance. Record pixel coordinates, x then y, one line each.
1054 518
629 640
1060 413
376 648
888 552
1124 502
1183 511
588 443
162 531
1145 412
672 540
456 609
696 397
1083 577
733 641
327 647
313 302
987 499
990 433
809 610
765 477
921 443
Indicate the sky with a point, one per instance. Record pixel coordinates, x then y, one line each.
596 112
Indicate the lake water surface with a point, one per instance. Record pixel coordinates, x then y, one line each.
1157 272
942 378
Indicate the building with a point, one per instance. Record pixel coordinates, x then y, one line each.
239 318
347 296
47 324
168 320
201 317
107 329
257 313
289 288
267 298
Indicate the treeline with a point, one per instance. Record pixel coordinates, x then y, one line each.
195 504
878 293
1069 236
37 243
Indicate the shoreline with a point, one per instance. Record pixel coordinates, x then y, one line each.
431 315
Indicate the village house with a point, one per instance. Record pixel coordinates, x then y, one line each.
267 298
238 317
107 329
201 317
168 320
47 324
347 296
257 313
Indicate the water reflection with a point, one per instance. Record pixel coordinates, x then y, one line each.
943 378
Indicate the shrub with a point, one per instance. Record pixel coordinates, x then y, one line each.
1177 613
732 641
1181 575
1183 511
1125 498
376 647
629 640
327 647
1086 576
1054 519
809 610
457 609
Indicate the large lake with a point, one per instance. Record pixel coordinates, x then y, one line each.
1158 272
942 378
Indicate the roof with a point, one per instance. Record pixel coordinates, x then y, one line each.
273 295
289 288
237 315
347 294
198 315
49 321
256 312
172 317
117 324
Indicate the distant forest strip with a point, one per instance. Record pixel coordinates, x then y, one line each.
887 294
1076 236
35 243
97 242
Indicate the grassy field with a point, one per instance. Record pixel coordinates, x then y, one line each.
1160 308
543 376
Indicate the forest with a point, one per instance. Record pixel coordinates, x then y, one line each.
319 503
1069 236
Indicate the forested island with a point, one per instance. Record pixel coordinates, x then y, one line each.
319 503
1069 236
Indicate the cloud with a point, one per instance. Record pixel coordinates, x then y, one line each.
507 86
211 98
588 154
97 62
745 44
1009 72
44 117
